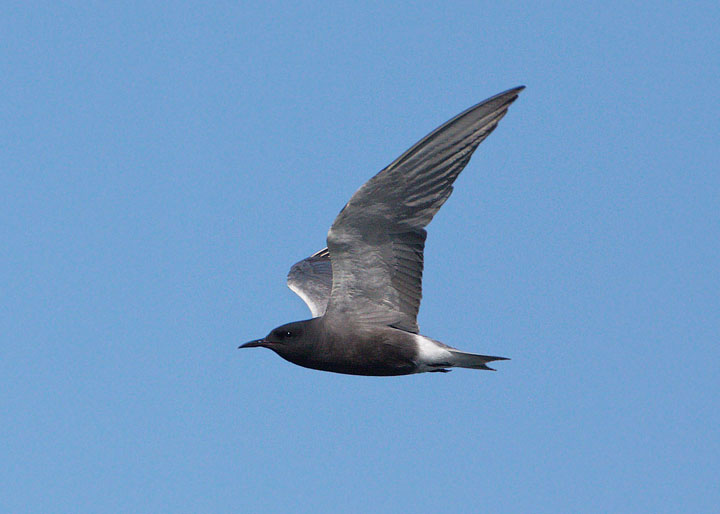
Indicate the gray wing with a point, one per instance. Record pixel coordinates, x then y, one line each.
311 280
377 240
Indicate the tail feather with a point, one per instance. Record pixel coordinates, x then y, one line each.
473 360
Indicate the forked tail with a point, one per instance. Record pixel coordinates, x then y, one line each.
473 360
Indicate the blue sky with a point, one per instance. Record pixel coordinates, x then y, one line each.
164 163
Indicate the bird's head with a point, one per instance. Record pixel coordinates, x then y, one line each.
280 337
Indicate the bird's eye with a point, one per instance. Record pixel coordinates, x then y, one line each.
287 333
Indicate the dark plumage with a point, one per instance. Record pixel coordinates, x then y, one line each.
364 289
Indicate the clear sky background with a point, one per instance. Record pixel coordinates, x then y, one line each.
162 164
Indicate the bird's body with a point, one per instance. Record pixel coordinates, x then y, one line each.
364 289
364 349
340 349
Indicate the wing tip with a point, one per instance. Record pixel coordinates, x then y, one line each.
509 96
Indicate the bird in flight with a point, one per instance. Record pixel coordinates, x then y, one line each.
364 289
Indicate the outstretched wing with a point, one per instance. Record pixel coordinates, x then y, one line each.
377 240
311 280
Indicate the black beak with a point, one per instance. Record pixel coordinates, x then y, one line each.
253 344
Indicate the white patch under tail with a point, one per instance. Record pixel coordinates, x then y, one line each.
432 356
435 356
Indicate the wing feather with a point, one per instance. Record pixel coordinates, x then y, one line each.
311 280
377 241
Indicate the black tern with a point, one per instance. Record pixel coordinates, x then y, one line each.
364 289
